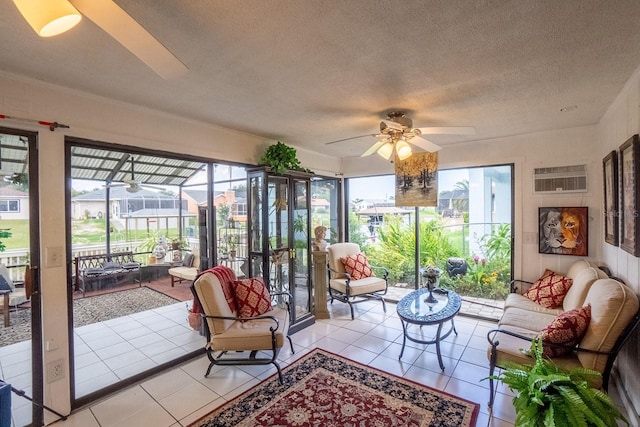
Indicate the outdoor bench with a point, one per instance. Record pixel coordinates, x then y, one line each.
103 271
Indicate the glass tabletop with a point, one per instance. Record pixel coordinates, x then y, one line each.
418 307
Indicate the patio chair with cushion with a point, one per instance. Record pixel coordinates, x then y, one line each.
351 279
241 317
12 295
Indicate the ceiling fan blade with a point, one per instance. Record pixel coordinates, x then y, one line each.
374 147
115 185
424 144
349 139
152 186
448 130
122 27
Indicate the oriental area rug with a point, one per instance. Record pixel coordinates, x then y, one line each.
325 390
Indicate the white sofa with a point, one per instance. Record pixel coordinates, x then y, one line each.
614 314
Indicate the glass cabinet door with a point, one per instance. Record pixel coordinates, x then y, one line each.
279 242
279 224
301 263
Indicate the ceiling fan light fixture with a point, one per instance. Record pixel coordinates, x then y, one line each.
403 150
386 150
49 18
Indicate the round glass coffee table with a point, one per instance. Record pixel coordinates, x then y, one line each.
424 308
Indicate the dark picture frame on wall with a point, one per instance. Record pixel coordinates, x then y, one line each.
563 230
629 163
611 213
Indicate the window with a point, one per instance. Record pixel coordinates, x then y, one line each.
9 205
471 226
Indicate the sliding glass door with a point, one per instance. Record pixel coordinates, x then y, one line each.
21 334
132 219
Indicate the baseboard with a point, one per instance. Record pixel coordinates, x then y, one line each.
630 411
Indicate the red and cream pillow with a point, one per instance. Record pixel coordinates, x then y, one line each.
252 297
357 266
549 290
566 329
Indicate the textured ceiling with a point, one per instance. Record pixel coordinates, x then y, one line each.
307 72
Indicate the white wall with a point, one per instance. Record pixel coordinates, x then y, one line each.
619 123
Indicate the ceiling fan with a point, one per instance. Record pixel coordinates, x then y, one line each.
397 132
52 17
133 185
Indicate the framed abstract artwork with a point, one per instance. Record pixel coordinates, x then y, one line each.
629 164
417 180
563 230
611 212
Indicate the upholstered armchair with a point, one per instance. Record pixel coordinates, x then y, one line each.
242 324
352 279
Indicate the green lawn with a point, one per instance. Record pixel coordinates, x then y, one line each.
19 229
87 231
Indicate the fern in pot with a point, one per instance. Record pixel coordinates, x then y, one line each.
550 396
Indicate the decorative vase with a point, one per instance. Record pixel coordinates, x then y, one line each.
432 275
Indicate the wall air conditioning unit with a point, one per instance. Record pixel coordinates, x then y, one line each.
561 179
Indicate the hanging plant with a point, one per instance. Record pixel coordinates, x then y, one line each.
281 158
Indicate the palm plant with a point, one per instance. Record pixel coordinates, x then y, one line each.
550 396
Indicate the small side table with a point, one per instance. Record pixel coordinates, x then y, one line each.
417 309
5 307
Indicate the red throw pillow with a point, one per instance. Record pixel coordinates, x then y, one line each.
252 297
357 266
566 329
549 290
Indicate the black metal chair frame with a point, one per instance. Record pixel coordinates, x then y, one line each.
346 297
611 355
252 359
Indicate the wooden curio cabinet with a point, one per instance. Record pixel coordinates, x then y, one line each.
279 209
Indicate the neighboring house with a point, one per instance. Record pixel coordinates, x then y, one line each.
14 204
452 203
375 215
317 205
194 198
238 205
143 209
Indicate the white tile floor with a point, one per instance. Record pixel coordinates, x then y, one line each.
181 395
110 351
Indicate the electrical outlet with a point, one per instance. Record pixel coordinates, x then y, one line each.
55 371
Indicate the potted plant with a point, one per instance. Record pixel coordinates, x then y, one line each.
551 396
178 244
232 245
282 158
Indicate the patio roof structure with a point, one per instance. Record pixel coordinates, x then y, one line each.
112 166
